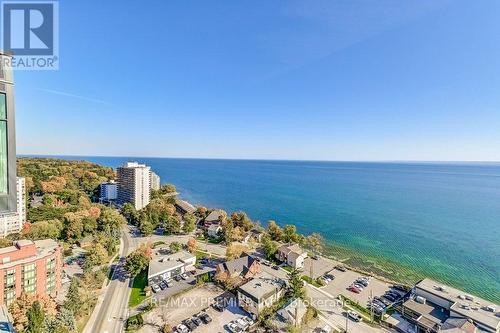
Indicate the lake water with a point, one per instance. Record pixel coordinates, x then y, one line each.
440 219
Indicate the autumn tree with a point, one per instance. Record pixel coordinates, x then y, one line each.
136 262
269 246
192 245
274 231
234 251
189 223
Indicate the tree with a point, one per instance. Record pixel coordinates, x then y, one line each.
270 247
73 301
130 213
192 245
234 251
36 317
168 188
136 262
241 220
110 220
96 255
290 234
189 223
146 227
315 242
23 304
296 287
175 247
274 231
173 226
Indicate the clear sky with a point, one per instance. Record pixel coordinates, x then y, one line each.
326 79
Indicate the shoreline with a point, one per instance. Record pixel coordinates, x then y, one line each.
384 269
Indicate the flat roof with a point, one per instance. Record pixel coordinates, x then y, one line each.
165 263
475 308
433 313
262 286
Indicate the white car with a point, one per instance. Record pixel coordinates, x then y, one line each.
242 323
233 327
182 328
354 316
156 288
249 320
184 276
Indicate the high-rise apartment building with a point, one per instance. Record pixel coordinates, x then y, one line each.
30 267
155 181
7 139
11 222
134 184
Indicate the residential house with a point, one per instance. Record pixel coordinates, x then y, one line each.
260 292
214 231
253 235
183 207
293 312
242 269
292 254
215 217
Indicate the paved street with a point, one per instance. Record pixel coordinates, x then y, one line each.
112 312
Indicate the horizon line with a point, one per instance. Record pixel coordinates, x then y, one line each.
270 159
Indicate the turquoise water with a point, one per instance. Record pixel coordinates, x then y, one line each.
441 219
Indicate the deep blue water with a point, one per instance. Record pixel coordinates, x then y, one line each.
443 219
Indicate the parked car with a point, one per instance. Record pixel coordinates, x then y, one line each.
184 276
341 268
276 267
189 323
233 327
177 278
155 288
315 257
354 289
359 286
330 276
163 285
181 328
266 263
196 320
249 320
354 316
205 318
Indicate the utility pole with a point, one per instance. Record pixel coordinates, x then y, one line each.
371 305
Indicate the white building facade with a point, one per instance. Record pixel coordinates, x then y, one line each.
11 222
134 184
155 181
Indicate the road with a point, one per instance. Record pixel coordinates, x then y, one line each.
112 312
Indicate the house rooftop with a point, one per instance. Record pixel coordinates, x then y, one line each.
215 215
237 265
473 307
163 263
295 248
186 206
262 286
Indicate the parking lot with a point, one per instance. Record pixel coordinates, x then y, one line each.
176 309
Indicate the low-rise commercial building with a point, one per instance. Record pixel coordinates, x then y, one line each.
436 306
170 265
260 292
30 267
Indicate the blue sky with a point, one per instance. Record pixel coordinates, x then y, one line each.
327 80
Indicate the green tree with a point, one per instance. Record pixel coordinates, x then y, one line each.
173 226
241 219
146 227
97 255
73 300
175 247
36 318
136 262
189 223
130 213
269 246
290 234
110 220
296 287
315 242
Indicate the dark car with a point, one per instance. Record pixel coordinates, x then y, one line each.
189 323
400 288
276 267
196 320
340 268
389 297
177 278
205 318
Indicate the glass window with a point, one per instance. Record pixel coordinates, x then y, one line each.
3 158
3 107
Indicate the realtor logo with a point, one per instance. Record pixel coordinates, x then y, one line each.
30 33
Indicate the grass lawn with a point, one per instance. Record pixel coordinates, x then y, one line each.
137 295
311 281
